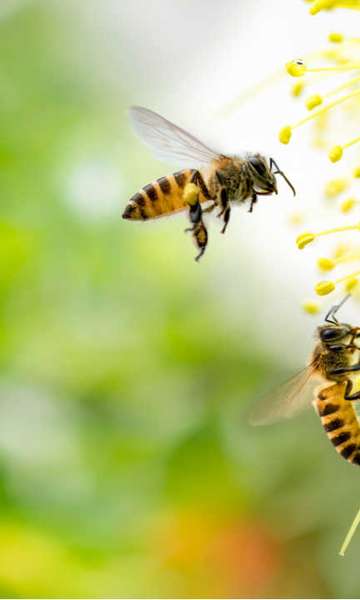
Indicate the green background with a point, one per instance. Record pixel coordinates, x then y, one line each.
127 464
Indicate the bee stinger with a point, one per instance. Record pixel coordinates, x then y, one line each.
219 179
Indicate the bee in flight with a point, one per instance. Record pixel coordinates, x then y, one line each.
335 359
213 181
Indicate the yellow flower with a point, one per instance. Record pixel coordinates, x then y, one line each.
340 57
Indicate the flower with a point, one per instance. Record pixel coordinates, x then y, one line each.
338 101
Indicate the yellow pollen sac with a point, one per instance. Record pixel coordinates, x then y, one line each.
356 172
336 38
335 153
334 187
285 134
323 288
325 264
347 205
351 284
319 5
311 307
296 68
304 239
313 101
191 193
298 88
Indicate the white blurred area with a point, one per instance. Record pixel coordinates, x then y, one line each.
188 60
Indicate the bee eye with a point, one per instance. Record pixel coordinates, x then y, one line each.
329 334
258 165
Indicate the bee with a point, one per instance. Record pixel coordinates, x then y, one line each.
217 180
335 360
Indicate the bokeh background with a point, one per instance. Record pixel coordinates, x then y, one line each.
127 463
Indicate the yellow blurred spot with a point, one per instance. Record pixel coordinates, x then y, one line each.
295 68
335 38
335 153
311 307
351 284
347 205
191 193
298 88
334 187
285 134
304 239
356 172
324 287
313 101
325 264
296 218
341 250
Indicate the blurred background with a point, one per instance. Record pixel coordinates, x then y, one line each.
127 464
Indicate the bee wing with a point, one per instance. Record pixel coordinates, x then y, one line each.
286 400
168 141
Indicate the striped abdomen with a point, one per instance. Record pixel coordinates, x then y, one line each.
338 417
162 197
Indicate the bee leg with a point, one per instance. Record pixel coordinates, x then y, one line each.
210 208
198 179
226 218
348 395
225 209
200 236
254 200
349 384
198 229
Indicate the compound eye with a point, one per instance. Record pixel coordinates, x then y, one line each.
329 334
258 165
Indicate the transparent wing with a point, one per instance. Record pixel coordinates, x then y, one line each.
287 400
169 142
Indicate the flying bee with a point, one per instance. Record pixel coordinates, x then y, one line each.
335 359
213 181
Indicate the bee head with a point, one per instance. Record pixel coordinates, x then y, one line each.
263 178
263 174
335 332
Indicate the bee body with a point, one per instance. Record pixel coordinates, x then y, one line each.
159 198
220 179
335 358
339 420
336 362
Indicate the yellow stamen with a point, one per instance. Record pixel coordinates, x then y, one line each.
318 5
326 264
335 38
348 277
351 284
342 86
334 187
341 250
285 134
323 288
298 88
313 101
335 153
350 534
311 307
191 194
304 239
348 205
296 68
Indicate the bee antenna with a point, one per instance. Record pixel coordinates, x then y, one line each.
330 317
280 172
